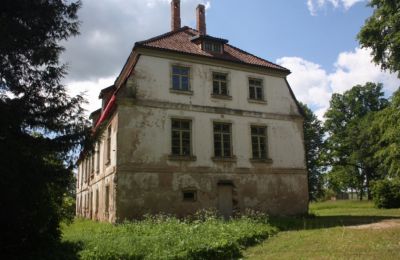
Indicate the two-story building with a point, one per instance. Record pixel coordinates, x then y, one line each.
192 123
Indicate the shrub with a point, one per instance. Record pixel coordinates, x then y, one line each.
386 193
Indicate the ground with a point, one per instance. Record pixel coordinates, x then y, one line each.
332 230
339 230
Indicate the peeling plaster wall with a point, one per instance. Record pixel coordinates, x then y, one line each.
149 181
102 174
154 192
153 80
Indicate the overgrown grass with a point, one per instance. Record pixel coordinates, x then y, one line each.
167 238
324 234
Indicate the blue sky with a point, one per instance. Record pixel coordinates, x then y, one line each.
279 28
315 39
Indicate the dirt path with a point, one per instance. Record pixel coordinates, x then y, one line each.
387 223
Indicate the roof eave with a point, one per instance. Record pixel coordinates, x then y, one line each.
285 72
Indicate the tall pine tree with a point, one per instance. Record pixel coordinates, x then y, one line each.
40 124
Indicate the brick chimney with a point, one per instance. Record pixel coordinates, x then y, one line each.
201 19
175 15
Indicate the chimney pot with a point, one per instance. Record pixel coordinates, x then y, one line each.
201 19
175 15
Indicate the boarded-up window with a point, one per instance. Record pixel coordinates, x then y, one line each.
107 199
97 201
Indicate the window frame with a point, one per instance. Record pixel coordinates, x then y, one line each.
226 81
221 134
259 156
189 76
108 145
181 131
214 46
107 199
256 98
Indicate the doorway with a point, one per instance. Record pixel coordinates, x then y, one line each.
225 204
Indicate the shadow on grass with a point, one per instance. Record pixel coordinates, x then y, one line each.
62 251
316 222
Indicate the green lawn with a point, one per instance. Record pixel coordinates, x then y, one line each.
328 236
327 233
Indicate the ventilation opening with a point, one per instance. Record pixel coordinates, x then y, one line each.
189 195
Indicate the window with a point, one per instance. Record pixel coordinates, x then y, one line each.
108 145
86 169
97 157
180 78
97 201
222 140
220 85
181 137
256 89
214 47
92 163
107 199
259 142
82 172
189 195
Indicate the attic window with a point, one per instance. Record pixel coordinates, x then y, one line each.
212 46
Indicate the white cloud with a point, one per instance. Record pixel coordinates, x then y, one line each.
314 86
317 5
91 90
108 32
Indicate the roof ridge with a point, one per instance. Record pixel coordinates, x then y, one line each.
248 53
164 35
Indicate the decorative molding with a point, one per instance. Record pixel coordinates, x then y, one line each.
205 109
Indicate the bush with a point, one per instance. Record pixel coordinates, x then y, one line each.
386 193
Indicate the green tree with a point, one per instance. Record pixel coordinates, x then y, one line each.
313 141
386 126
351 144
381 33
40 125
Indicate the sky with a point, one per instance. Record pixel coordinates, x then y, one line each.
315 39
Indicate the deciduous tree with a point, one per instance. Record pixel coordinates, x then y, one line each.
350 146
313 140
381 33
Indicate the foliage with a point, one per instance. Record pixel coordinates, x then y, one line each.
41 124
165 237
313 141
351 143
386 193
381 33
386 126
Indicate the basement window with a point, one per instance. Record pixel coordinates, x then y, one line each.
189 195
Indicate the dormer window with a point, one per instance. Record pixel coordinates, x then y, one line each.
212 46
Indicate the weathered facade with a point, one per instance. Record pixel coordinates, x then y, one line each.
192 123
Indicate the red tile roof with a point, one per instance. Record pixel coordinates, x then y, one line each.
181 41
